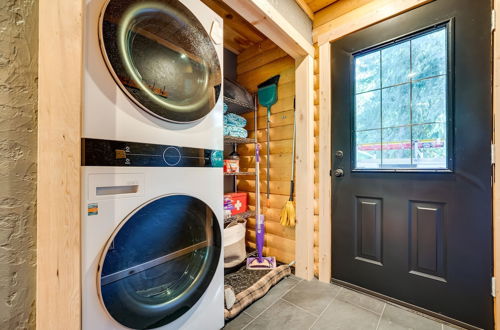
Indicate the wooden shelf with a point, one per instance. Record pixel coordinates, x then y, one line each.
233 139
244 215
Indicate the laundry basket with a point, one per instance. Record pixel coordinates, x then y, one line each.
234 243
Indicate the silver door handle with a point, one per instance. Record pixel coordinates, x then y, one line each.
338 172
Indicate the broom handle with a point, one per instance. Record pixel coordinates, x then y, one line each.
292 182
268 153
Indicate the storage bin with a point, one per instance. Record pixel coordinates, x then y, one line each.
234 243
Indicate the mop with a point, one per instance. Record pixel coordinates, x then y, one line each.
287 217
268 96
259 262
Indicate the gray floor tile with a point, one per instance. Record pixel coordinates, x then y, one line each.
313 295
356 298
239 322
396 318
451 327
342 315
282 315
272 296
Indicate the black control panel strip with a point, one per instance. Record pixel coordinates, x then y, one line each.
97 152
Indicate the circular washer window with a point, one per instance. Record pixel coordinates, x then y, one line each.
159 261
161 57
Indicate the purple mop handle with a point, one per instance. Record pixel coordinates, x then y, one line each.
259 224
260 236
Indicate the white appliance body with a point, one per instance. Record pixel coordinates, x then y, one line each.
110 115
202 183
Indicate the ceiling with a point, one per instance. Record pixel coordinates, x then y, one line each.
310 7
238 33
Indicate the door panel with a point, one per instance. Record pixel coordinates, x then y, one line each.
412 212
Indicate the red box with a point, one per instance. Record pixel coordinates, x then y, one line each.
239 201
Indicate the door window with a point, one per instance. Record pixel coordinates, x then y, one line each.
401 104
161 57
159 262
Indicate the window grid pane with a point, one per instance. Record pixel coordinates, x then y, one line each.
400 102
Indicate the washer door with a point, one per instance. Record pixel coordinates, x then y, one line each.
161 57
159 262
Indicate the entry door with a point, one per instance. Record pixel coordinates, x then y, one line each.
411 134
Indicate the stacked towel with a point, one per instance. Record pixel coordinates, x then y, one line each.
234 125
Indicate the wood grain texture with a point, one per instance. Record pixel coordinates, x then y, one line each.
305 7
371 13
325 197
317 5
304 117
59 120
255 65
239 34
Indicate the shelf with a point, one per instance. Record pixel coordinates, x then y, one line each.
236 107
238 140
239 173
244 215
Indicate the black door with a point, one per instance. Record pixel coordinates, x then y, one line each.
412 118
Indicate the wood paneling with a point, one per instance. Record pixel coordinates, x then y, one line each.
238 33
255 65
317 5
58 297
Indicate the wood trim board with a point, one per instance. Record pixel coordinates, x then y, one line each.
58 294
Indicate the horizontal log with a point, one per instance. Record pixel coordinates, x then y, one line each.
285 67
277 147
316 223
274 228
260 59
277 252
275 161
275 134
276 187
275 201
276 120
277 174
253 51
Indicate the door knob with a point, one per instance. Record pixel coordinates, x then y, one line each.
338 172
339 154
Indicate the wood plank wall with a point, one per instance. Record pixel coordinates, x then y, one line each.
321 18
255 65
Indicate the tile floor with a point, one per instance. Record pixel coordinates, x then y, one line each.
297 304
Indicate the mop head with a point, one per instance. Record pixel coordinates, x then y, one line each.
253 263
287 217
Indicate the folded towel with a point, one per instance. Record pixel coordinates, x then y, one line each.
234 120
225 107
235 131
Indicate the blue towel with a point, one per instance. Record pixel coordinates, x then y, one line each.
235 131
225 107
234 120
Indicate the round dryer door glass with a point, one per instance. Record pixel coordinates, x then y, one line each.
159 262
162 57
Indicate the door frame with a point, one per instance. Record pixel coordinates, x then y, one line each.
355 20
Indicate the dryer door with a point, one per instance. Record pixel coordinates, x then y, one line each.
159 261
162 57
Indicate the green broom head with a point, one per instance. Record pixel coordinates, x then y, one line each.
287 218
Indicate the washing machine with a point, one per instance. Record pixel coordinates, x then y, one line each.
152 223
153 72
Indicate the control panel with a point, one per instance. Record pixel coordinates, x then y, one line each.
97 152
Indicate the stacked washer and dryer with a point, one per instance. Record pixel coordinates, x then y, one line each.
152 211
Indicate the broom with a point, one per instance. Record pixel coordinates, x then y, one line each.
287 217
